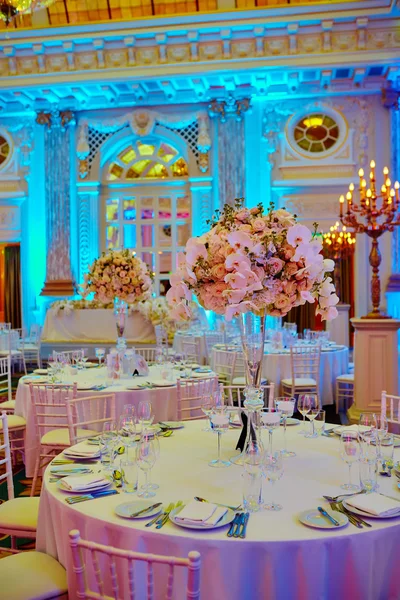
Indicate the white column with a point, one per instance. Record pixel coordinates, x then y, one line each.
375 364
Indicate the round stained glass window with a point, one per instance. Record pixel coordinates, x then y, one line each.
4 150
316 132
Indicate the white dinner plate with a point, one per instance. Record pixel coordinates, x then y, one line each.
292 421
162 383
226 519
90 365
173 424
75 456
85 386
36 379
362 513
128 508
41 371
313 518
97 488
202 370
134 386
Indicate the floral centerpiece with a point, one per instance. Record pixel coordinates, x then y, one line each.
251 261
120 277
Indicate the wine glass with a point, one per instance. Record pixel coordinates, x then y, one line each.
285 405
270 419
220 424
145 414
381 429
304 407
312 413
350 453
100 354
272 468
366 430
145 458
84 357
207 410
127 428
156 443
108 438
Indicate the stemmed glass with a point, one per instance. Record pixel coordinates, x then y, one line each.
145 414
207 409
350 453
220 424
304 407
272 468
108 439
381 429
366 430
286 406
312 413
100 354
270 419
84 357
156 443
145 458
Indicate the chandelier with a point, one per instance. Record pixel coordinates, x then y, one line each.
375 211
338 243
9 9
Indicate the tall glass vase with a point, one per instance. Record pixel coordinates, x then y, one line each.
120 312
252 331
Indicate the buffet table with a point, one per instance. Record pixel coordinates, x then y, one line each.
95 326
280 558
163 400
276 366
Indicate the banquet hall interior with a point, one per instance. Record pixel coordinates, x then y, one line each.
199 299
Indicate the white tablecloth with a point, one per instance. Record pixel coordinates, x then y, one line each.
94 325
163 401
277 367
280 558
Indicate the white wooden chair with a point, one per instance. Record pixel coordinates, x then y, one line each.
304 362
86 416
344 390
65 355
390 408
18 516
5 384
123 580
225 365
16 424
13 349
210 339
240 371
191 349
51 422
235 395
32 576
149 354
192 394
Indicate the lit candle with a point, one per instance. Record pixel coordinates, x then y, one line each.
369 195
348 198
385 171
341 200
392 197
396 187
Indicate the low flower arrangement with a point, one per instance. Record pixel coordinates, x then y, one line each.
252 261
118 274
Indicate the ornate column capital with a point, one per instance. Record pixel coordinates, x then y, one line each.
390 97
60 117
223 109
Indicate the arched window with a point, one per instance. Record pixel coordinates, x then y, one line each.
147 204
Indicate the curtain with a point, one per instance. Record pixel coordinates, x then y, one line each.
12 286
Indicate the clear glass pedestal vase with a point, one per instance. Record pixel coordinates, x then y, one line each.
121 313
252 331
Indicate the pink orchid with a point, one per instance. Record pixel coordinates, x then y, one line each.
181 312
194 251
298 234
234 260
239 240
327 301
235 296
236 309
327 314
236 280
307 296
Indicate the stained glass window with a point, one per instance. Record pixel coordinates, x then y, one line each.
4 150
316 132
142 159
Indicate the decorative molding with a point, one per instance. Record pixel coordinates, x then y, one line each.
10 218
84 233
63 117
232 107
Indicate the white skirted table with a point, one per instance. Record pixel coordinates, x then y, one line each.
94 326
279 559
276 366
163 400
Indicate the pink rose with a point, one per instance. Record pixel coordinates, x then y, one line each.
291 269
289 251
275 265
282 302
258 224
255 210
246 228
243 215
218 271
290 287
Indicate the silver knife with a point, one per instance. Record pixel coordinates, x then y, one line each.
244 526
145 510
328 516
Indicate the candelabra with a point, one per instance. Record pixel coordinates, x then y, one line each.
338 245
367 217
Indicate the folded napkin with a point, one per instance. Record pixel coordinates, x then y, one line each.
356 428
375 504
83 483
83 449
205 514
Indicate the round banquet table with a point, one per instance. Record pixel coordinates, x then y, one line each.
279 559
276 366
163 400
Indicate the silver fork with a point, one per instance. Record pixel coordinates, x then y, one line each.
336 498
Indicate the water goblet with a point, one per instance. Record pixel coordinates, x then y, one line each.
366 430
207 409
350 453
145 458
312 415
108 439
270 419
285 405
304 407
127 428
145 414
319 422
100 354
156 443
272 467
220 424
381 429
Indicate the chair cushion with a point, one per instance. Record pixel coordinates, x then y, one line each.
347 377
8 405
13 421
19 513
300 382
32 575
242 381
61 436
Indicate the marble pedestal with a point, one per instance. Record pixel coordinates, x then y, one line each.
375 364
339 327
